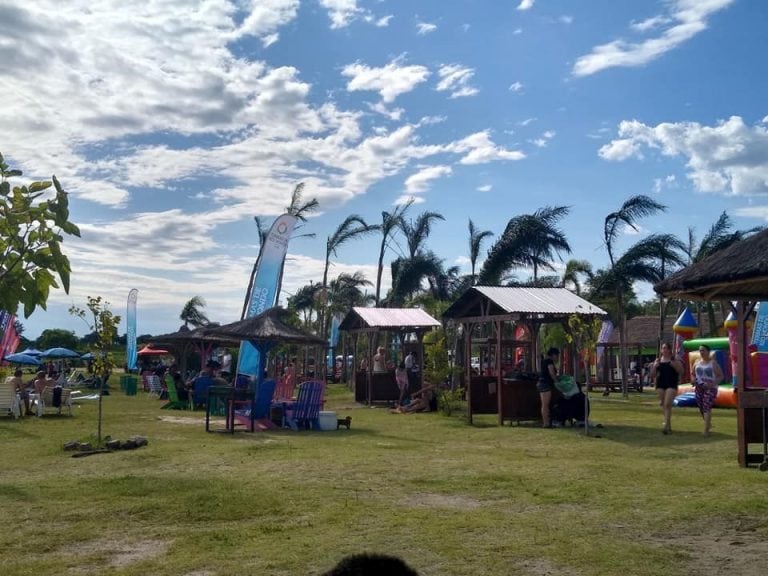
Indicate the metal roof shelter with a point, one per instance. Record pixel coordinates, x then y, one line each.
361 319
496 305
401 321
738 273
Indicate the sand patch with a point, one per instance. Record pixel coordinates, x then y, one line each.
722 547
116 553
431 500
183 420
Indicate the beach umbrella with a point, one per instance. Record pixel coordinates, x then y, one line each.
87 356
20 358
147 351
59 353
31 352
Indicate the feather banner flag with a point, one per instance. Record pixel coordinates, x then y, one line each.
131 354
266 284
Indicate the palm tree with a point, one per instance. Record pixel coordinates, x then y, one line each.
408 274
191 313
297 207
351 228
417 231
573 270
529 240
303 300
631 211
720 235
346 291
476 238
390 222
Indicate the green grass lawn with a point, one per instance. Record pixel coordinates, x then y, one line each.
447 497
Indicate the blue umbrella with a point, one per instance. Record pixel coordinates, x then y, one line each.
59 353
87 356
20 358
31 352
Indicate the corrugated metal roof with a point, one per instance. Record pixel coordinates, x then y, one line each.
395 317
538 300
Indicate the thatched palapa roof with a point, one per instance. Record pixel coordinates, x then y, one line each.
739 272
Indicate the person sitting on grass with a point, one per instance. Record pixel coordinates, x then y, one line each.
421 401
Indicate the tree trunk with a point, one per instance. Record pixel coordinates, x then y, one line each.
380 270
622 344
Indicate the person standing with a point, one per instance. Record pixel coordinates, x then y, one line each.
401 378
666 372
379 360
707 377
547 383
226 364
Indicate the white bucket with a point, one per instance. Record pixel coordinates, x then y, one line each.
327 420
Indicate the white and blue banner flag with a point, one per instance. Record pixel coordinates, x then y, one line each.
131 354
266 284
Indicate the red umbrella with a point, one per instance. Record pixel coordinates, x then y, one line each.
147 351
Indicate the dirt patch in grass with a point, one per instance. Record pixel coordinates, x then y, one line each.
431 500
722 547
118 553
542 567
183 420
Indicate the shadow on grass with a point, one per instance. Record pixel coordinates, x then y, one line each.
652 437
13 428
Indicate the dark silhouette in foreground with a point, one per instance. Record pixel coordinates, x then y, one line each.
371 565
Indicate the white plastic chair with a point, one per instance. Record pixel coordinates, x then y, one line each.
9 401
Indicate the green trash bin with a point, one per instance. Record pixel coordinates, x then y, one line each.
123 380
131 385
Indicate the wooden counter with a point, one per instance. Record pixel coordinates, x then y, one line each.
520 398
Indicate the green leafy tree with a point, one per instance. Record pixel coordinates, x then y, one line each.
104 324
32 229
57 338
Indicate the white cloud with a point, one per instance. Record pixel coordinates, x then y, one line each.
544 139
525 4
455 79
421 180
425 27
527 121
753 212
480 149
660 184
516 87
341 12
565 19
686 19
650 23
485 188
266 17
393 114
383 21
389 81
406 198
729 157
517 31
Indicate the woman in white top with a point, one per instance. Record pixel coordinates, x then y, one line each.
707 376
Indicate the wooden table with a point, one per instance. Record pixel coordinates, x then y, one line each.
230 396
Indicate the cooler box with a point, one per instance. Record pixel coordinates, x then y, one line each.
327 420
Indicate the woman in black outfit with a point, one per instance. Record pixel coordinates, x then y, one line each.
666 371
547 384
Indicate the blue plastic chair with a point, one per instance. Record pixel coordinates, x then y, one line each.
200 390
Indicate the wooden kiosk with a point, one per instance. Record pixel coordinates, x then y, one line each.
500 311
373 386
738 274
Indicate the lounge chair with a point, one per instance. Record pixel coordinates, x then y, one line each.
200 390
154 385
259 419
304 413
174 403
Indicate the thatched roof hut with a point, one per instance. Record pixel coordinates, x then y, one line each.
739 272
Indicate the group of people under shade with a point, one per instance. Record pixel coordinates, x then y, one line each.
666 372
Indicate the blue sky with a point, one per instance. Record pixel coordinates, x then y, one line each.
172 124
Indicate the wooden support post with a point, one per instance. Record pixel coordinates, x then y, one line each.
467 335
499 381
